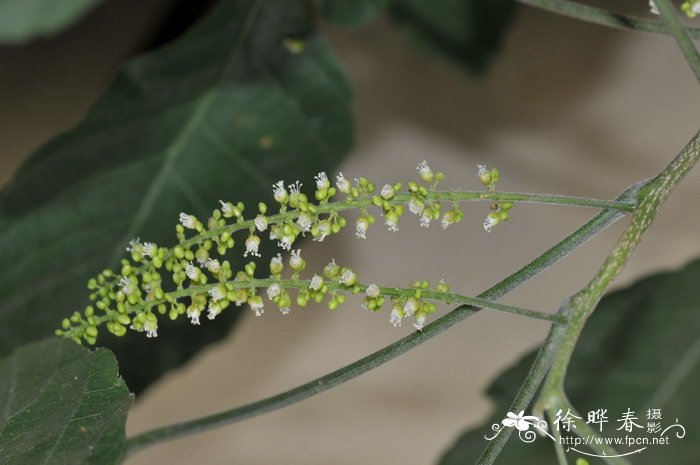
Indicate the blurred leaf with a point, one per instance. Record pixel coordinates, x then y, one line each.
223 112
23 20
639 350
61 405
351 12
468 32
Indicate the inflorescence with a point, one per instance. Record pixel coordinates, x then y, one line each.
204 283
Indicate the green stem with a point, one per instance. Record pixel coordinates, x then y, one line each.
554 254
679 31
542 361
651 194
603 17
651 197
558 446
584 430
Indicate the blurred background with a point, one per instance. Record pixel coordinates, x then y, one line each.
566 108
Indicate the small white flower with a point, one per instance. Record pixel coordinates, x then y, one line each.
276 265
653 8
390 220
279 192
409 307
395 318
192 271
251 246
188 221
425 172
316 282
695 8
426 217
133 245
446 220
226 208
125 284
260 222
257 306
213 310
322 181
285 310
387 192
295 261
151 328
420 322
348 278
490 222
217 293
274 233
415 206
373 291
149 249
273 291
193 314
295 188
361 227
324 229
482 170
342 183
304 222
286 242
212 265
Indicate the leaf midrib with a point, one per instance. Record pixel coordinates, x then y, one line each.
176 148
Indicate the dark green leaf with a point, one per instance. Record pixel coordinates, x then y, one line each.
639 350
23 20
61 404
221 113
351 12
467 32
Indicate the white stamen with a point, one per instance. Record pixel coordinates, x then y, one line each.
373 291
151 329
132 245
188 221
316 282
279 192
387 192
361 227
217 293
212 265
260 222
420 322
149 249
125 284
322 181
415 206
342 183
273 291
226 208
193 314
251 246
192 271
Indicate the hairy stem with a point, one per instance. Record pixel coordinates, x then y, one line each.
562 339
651 197
548 258
603 17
